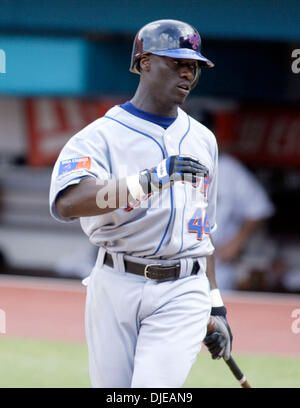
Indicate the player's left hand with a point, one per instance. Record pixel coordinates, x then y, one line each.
218 339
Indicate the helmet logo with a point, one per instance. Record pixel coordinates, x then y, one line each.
194 40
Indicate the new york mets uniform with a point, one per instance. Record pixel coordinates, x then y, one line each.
143 332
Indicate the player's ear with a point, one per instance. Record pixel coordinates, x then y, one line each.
145 62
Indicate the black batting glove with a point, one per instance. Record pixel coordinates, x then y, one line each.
170 170
219 339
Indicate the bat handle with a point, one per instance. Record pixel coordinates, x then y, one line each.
237 372
231 363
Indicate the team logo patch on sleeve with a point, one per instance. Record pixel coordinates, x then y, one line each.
74 164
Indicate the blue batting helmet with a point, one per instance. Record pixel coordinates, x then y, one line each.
169 38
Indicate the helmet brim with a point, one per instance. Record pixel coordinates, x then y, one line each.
185 53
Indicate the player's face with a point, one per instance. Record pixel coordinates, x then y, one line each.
172 77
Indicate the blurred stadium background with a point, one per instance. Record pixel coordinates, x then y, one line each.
64 63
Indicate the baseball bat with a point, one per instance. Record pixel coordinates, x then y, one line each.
231 363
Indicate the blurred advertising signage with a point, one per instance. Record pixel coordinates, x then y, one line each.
269 137
51 123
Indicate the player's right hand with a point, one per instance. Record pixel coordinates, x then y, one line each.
170 170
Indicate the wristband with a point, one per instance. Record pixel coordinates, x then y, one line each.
216 299
217 305
134 187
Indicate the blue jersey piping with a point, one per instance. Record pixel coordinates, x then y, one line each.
171 192
183 211
137 131
164 236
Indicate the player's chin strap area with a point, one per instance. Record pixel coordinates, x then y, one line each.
154 270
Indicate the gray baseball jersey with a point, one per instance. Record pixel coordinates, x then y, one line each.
121 144
128 344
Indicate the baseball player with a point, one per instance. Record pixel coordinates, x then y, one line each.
142 179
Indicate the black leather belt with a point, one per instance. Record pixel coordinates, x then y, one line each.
152 271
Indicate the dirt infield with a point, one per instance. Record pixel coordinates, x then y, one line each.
54 309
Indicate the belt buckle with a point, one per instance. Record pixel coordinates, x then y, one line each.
146 270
